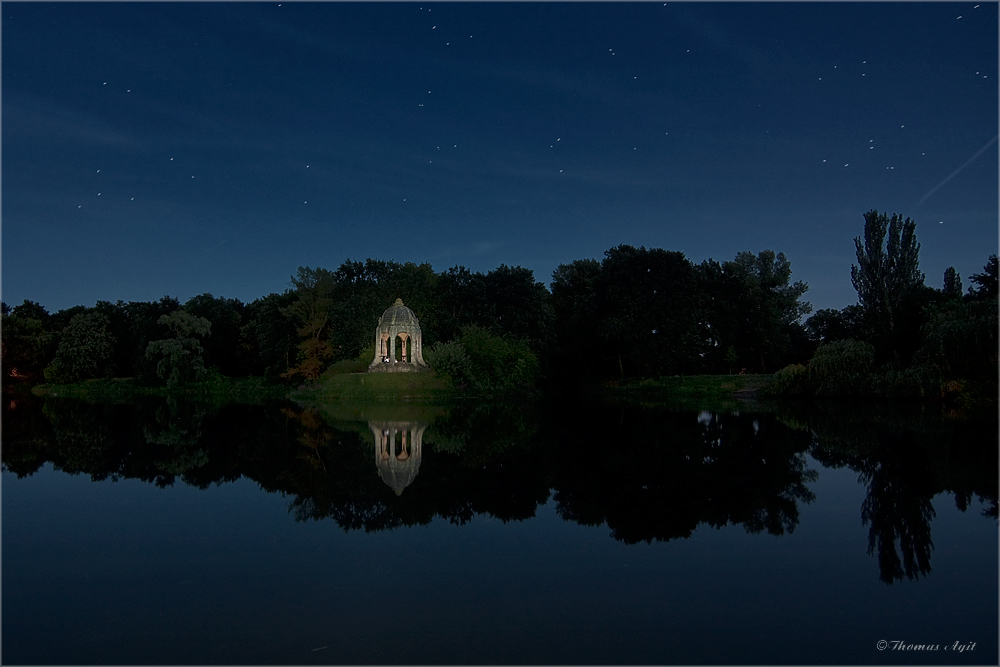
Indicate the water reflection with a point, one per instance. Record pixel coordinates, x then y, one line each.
904 456
673 471
647 474
398 449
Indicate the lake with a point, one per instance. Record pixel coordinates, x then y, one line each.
565 532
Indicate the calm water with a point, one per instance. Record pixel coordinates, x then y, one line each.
172 533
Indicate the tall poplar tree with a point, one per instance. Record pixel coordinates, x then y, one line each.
887 276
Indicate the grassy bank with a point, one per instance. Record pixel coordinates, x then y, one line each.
217 389
697 392
359 389
376 387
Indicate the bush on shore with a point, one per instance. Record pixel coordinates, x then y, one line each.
840 368
845 369
483 362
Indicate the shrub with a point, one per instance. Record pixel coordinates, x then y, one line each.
960 338
840 368
917 382
485 362
791 380
450 361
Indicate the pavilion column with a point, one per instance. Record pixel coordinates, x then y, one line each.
392 348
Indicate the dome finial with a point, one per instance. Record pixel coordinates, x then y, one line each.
398 302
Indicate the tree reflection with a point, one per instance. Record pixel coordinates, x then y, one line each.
904 458
654 475
175 431
648 474
898 508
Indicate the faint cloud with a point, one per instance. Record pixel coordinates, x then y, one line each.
30 117
473 249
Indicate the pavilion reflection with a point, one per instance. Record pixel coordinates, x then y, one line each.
398 450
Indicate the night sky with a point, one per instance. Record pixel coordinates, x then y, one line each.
174 149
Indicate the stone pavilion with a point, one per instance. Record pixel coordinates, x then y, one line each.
398 341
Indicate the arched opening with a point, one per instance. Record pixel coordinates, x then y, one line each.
403 345
383 348
403 450
383 449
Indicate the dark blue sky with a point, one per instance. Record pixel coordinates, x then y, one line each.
173 149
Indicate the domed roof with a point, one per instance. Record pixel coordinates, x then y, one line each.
398 315
398 478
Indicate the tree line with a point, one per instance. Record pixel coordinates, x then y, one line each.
637 312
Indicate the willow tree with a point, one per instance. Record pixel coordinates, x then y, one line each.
180 359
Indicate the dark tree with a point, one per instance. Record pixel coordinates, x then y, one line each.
361 293
574 305
179 359
416 285
271 334
461 296
952 284
768 306
648 320
61 318
226 349
32 310
147 327
829 325
887 279
987 282
960 339
24 346
86 350
122 329
311 311
519 306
